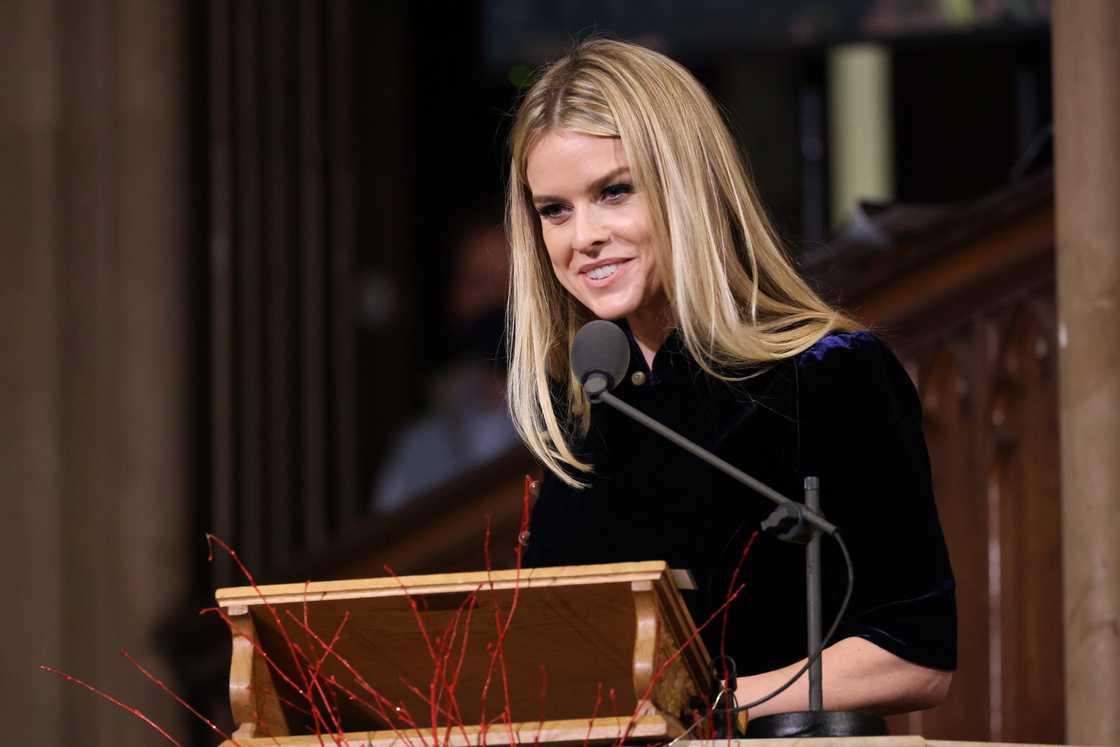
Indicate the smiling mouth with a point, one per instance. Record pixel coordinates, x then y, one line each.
605 272
602 273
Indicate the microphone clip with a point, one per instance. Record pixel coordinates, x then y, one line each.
787 523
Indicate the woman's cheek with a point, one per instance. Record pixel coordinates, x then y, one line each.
555 246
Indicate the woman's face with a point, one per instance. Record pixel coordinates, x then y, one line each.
595 224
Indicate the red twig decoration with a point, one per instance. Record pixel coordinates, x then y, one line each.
134 711
319 695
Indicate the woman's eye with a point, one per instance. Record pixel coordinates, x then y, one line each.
550 212
616 192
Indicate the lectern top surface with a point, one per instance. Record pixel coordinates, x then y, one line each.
442 583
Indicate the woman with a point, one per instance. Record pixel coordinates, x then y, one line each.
628 201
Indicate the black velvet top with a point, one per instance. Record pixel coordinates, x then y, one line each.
844 410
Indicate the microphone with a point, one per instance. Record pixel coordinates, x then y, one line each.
600 357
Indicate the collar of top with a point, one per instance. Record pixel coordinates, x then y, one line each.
665 362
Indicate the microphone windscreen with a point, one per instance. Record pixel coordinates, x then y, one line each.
600 347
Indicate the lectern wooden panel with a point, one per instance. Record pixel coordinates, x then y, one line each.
584 649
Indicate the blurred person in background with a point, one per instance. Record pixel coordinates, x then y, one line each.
468 423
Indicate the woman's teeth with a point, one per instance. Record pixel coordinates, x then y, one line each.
601 273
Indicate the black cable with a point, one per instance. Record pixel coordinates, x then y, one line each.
827 639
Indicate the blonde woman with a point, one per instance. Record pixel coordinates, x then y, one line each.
629 201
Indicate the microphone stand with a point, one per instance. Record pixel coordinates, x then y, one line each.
813 596
790 522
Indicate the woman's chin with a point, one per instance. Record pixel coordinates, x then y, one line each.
611 312
612 306
616 309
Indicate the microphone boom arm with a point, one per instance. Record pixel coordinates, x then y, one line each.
603 395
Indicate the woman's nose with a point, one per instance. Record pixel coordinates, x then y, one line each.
589 233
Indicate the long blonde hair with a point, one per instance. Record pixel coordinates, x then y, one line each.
736 298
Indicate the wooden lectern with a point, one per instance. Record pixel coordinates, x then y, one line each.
586 649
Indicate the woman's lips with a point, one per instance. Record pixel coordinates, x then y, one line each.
602 275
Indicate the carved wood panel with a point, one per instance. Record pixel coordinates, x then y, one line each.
989 396
987 376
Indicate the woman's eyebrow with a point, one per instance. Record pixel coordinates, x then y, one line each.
610 176
595 186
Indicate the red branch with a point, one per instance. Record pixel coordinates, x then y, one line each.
683 647
594 712
213 727
134 711
210 540
542 697
730 587
380 701
447 653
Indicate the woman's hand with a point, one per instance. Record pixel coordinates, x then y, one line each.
858 676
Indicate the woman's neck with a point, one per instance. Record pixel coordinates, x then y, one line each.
650 327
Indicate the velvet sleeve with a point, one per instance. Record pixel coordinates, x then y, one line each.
862 435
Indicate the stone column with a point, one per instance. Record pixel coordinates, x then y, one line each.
1086 49
32 573
94 388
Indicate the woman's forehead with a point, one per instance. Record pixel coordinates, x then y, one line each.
562 161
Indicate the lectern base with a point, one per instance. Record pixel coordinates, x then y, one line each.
817 724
